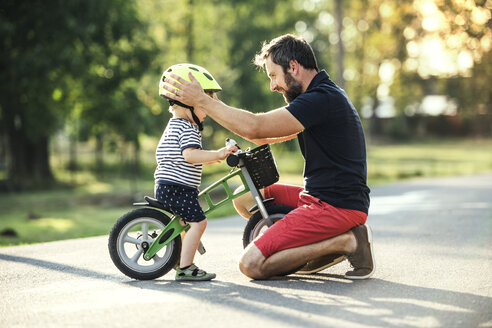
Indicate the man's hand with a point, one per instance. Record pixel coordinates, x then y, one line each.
189 93
273 124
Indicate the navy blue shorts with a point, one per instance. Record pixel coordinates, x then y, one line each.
181 200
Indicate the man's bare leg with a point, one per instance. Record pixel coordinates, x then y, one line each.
254 265
243 203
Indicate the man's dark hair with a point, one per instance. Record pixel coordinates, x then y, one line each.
286 48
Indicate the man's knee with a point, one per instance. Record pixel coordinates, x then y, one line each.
251 262
248 267
243 203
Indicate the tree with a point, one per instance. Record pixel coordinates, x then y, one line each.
54 50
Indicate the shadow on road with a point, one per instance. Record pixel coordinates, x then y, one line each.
371 302
59 267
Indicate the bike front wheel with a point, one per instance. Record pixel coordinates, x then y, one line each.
257 224
128 235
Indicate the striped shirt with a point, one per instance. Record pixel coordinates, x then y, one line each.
172 168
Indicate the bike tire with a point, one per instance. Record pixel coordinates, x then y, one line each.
125 235
256 223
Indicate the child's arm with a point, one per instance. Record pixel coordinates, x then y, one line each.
199 156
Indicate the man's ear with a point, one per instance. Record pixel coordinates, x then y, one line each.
294 66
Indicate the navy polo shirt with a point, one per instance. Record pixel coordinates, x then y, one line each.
332 144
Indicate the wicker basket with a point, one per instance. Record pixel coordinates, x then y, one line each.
262 167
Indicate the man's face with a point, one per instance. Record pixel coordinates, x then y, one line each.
282 82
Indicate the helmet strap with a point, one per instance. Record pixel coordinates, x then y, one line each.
197 121
193 115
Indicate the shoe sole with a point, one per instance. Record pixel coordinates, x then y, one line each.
369 238
336 261
195 279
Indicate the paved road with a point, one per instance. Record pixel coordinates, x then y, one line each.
433 242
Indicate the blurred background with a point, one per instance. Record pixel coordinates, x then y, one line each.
80 114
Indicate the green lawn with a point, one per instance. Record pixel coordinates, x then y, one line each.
91 208
72 213
428 159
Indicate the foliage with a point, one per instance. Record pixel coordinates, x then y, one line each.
89 69
64 61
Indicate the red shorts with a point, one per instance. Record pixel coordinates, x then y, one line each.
311 221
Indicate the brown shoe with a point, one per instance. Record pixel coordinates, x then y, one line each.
321 263
362 260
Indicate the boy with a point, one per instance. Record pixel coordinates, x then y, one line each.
180 158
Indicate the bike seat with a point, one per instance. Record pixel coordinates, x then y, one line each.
153 203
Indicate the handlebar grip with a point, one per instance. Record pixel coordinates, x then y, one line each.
231 142
232 160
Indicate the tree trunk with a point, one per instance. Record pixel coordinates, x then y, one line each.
72 162
99 154
27 160
136 168
375 122
341 52
189 32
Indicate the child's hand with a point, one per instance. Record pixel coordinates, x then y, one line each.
226 151
232 149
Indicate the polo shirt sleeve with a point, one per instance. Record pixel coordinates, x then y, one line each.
315 106
190 138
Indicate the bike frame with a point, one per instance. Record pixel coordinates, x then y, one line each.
174 228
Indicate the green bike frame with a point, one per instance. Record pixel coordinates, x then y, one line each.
174 228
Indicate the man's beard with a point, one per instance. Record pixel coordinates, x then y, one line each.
294 88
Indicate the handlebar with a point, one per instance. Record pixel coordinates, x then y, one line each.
233 159
257 164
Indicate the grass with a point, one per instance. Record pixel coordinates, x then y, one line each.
431 158
92 207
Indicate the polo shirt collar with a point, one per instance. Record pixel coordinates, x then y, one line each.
319 78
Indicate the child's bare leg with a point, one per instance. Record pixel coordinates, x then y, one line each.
191 241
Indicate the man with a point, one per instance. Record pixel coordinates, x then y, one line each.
331 209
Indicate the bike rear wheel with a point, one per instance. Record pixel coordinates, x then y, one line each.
125 244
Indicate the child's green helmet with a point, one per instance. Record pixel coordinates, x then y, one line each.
205 79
